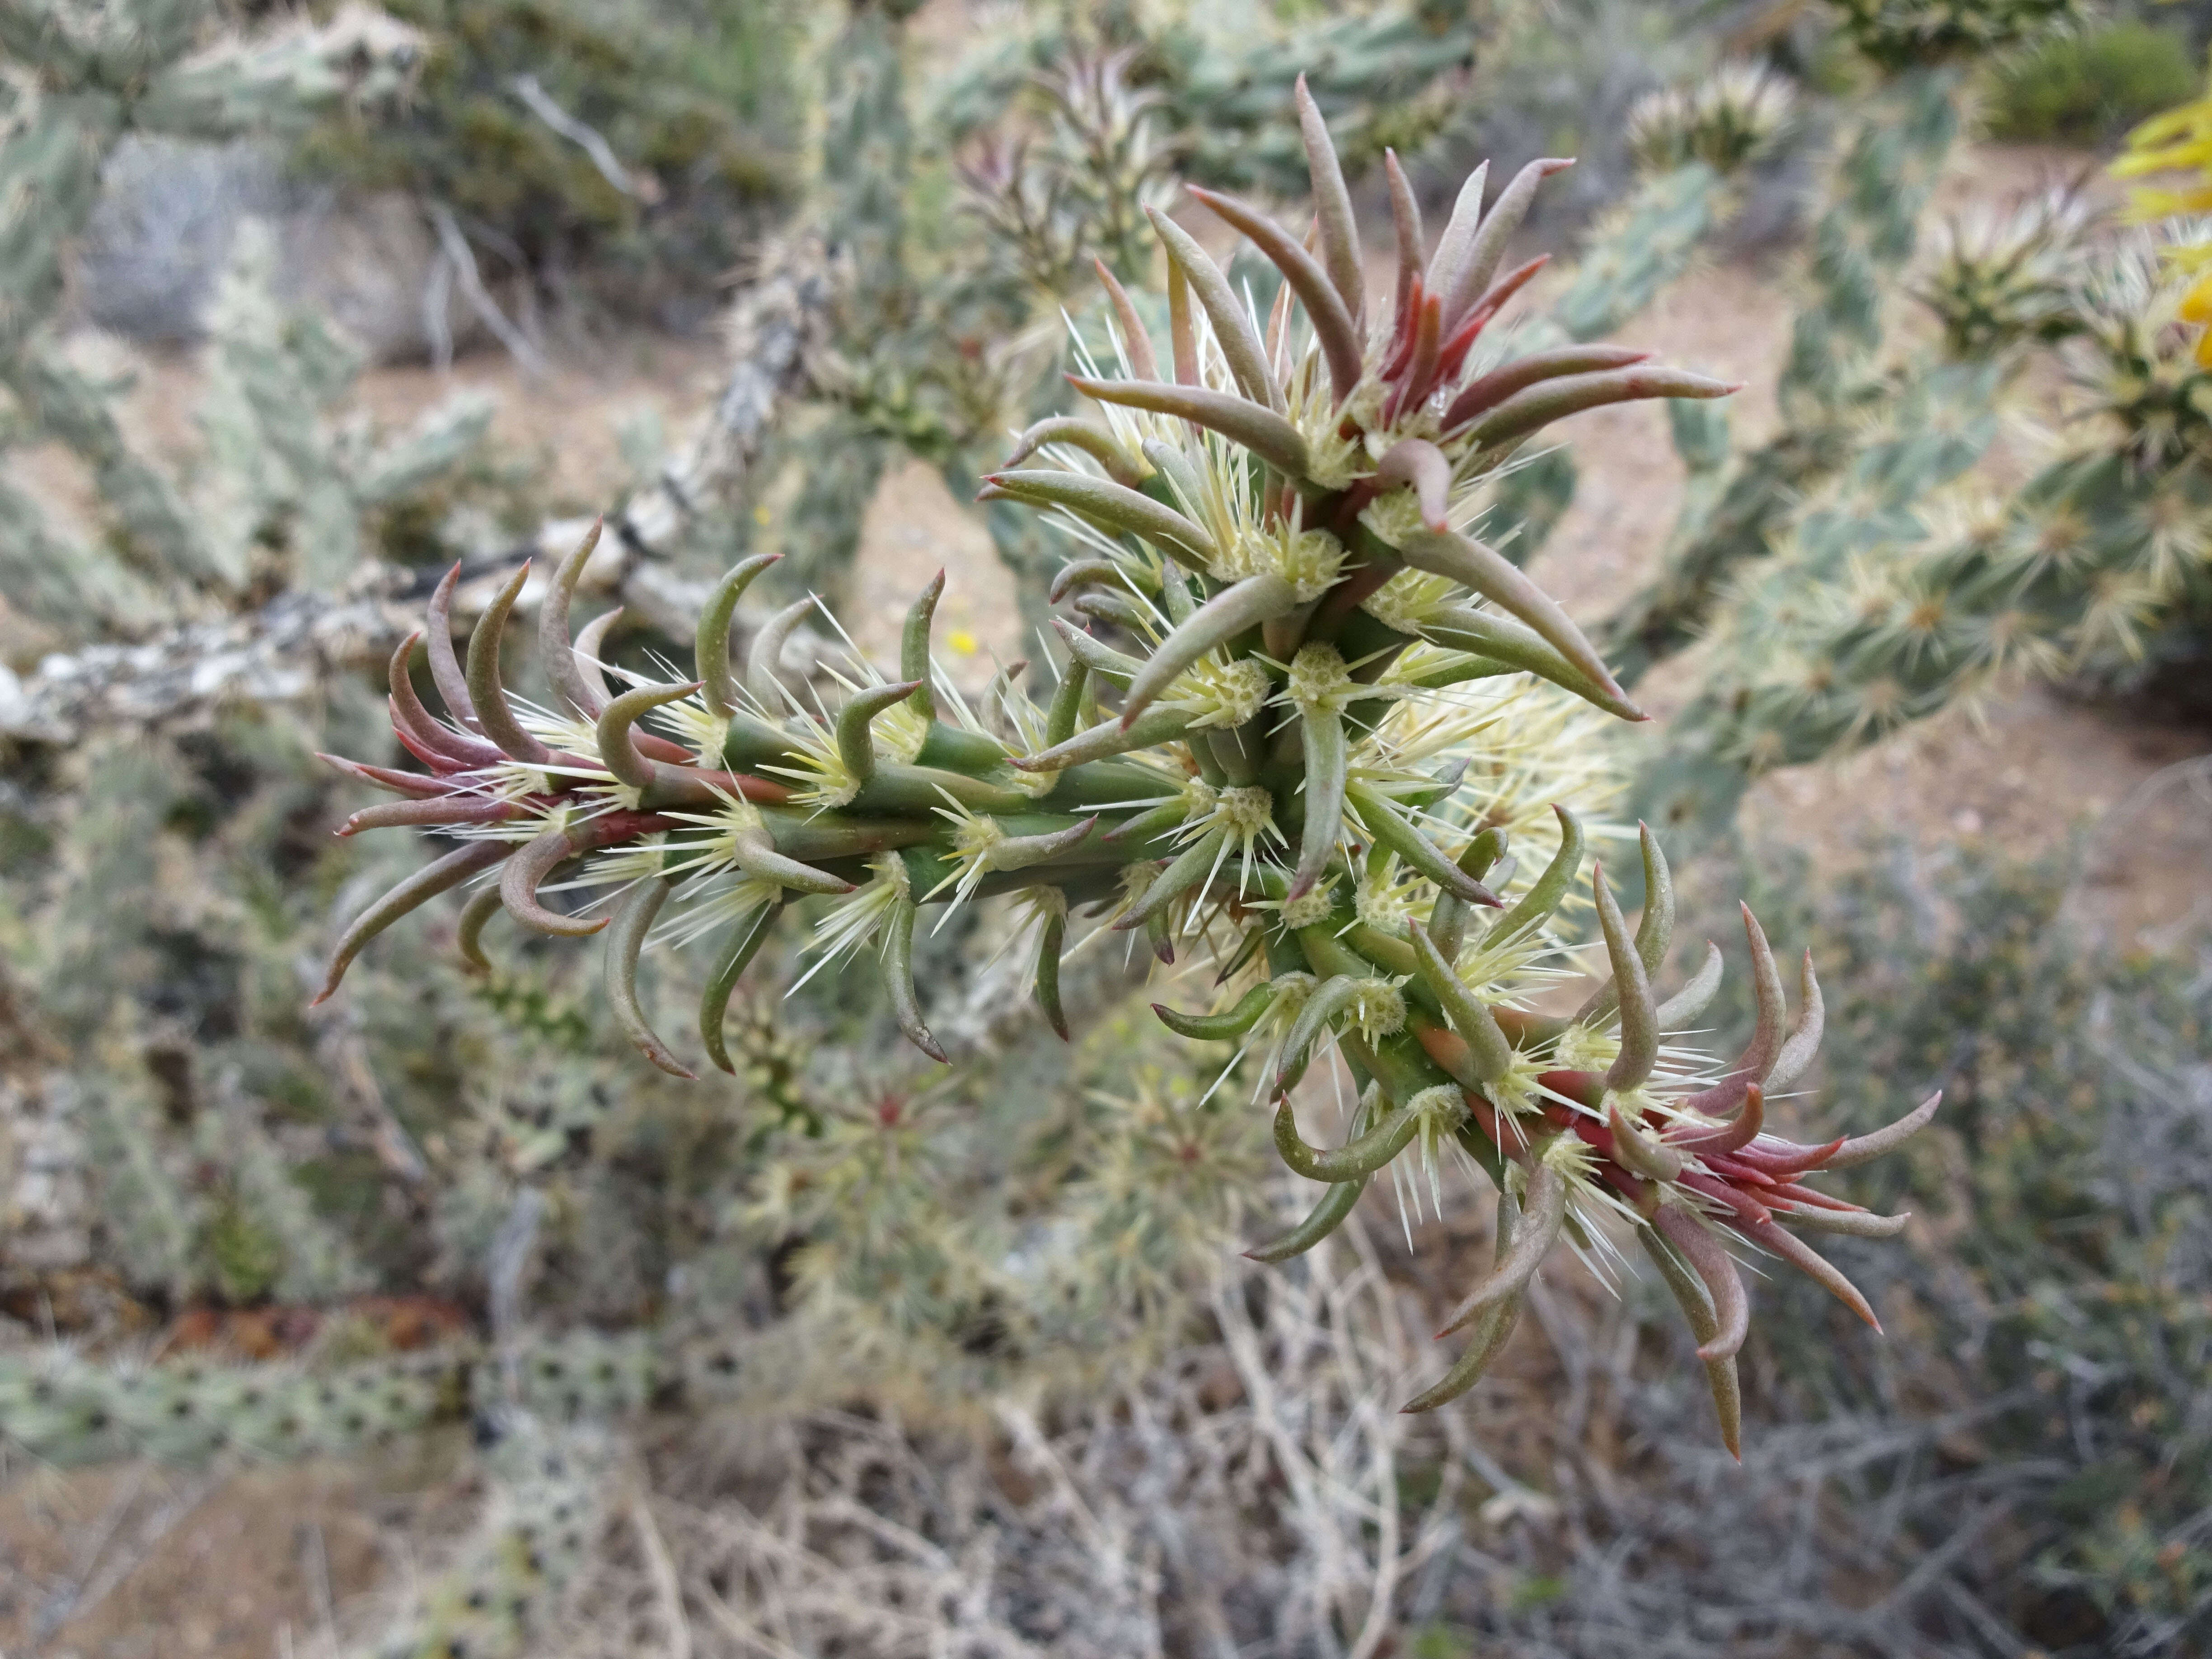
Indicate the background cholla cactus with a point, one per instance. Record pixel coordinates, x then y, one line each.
1926 598
1885 158
1997 279
1722 121
1272 530
282 489
1898 33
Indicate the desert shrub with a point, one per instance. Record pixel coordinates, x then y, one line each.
2058 1301
2084 88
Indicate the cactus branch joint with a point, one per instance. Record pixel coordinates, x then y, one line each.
1276 513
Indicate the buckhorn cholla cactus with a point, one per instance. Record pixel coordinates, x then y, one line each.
1273 517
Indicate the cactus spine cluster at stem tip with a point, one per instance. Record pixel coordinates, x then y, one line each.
1271 778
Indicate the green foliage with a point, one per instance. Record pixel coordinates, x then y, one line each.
2088 88
695 102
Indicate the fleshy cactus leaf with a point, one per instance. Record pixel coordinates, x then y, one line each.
1246 604
1329 312
1639 1015
718 684
446 671
468 932
1224 1027
634 918
1096 441
1260 429
1144 361
1486 391
898 980
554 649
747 935
1107 503
1697 1304
1406 226
1334 1208
486 694
1338 232
1358 1158
1804 1039
1704 1251
1488 572
1232 324
1492 1328
1543 1213
1686 1004
1469 279
418 890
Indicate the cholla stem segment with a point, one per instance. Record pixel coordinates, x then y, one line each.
1263 754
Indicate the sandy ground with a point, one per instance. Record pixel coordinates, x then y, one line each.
253 1566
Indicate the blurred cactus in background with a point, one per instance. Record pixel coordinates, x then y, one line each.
1895 602
1901 587
1884 160
90 75
591 161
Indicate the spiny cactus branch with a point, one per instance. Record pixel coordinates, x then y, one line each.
1287 521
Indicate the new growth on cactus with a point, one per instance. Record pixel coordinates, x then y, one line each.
1322 665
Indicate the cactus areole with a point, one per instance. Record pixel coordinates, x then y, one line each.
1274 512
